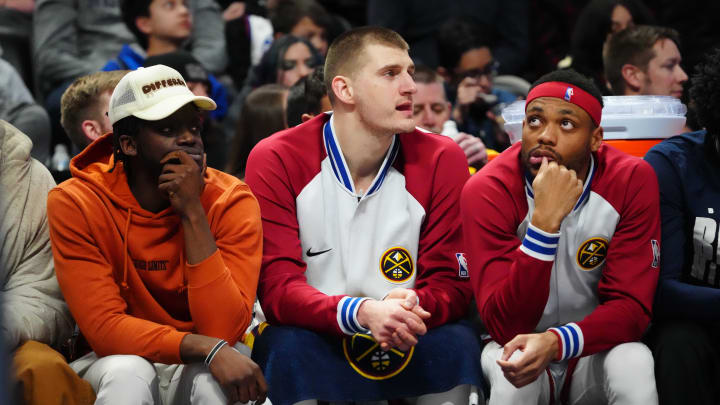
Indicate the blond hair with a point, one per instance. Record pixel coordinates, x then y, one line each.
80 102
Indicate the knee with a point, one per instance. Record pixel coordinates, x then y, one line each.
630 374
204 387
629 359
126 370
501 390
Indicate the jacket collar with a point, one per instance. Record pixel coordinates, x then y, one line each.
586 186
340 168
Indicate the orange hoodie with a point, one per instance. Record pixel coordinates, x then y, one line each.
122 269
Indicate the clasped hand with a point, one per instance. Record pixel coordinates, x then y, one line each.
396 321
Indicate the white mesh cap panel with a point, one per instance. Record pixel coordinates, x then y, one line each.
126 96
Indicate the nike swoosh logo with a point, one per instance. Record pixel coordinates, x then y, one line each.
311 254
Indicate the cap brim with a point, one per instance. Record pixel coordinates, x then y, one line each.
167 107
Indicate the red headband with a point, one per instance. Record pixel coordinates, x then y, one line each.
569 93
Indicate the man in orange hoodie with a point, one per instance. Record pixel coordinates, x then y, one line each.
157 254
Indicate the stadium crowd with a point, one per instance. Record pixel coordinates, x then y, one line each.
318 202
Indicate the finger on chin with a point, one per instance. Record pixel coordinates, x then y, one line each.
169 156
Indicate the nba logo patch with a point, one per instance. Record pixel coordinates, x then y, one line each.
462 265
568 93
656 253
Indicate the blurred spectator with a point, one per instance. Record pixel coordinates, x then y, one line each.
468 67
645 60
161 26
35 316
431 111
307 98
75 38
419 22
304 19
262 115
597 21
250 35
15 34
18 107
198 81
84 107
288 59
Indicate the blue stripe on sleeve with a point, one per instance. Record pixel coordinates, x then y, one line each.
566 341
551 240
539 249
343 314
351 319
576 340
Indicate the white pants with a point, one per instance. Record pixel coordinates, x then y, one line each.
623 375
460 395
133 380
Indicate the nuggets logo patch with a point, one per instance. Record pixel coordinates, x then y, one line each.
462 265
396 265
592 253
367 359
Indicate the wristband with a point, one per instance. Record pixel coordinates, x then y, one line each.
214 351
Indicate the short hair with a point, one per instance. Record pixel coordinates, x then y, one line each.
457 36
425 75
305 97
705 96
131 10
262 114
80 102
570 76
288 14
633 46
347 49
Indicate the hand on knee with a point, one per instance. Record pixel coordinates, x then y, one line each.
241 379
526 356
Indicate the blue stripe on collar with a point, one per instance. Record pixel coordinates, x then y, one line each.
389 159
586 186
528 186
336 158
588 183
340 168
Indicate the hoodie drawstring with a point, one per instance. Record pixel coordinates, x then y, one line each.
182 286
124 284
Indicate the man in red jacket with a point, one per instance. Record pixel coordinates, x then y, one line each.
562 236
362 260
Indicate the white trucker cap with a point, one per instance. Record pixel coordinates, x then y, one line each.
151 94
